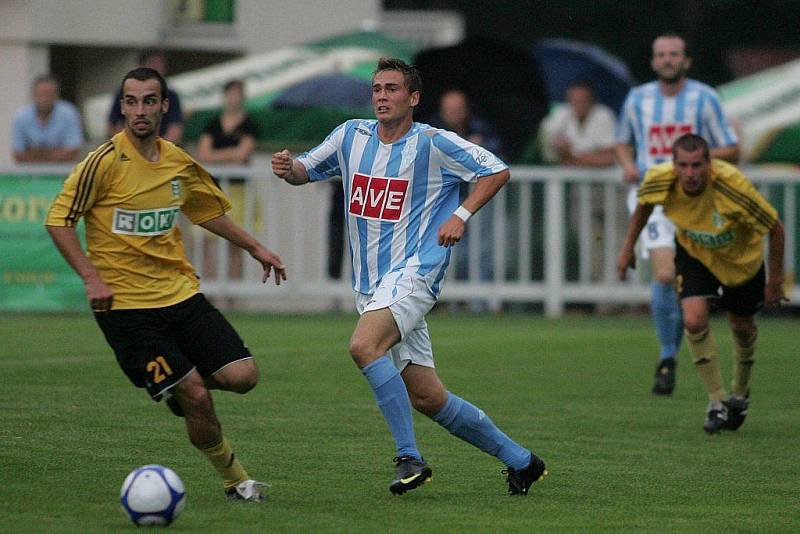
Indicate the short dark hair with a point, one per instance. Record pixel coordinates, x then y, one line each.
142 74
46 78
691 143
145 54
233 83
411 75
584 83
675 35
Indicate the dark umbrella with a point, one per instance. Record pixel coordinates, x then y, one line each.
501 81
329 90
565 61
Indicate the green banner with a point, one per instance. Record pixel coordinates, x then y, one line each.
33 275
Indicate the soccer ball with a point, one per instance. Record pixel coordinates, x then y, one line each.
152 495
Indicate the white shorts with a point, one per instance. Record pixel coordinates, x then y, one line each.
409 300
659 232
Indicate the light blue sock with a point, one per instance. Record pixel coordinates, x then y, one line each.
668 319
392 398
469 423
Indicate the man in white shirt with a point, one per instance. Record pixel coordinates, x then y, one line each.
580 133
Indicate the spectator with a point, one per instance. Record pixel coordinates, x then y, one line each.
231 138
172 123
455 115
48 129
580 133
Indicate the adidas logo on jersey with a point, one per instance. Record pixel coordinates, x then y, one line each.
124 157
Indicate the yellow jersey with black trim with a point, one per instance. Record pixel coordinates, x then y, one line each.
131 208
723 227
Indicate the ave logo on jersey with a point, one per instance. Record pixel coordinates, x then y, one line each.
660 137
378 198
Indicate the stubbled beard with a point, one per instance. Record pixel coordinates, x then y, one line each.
142 134
675 78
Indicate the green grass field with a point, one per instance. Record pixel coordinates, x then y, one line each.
576 390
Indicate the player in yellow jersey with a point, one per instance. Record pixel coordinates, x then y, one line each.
721 221
144 292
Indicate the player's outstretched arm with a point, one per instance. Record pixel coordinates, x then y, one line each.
452 230
773 290
624 155
287 168
100 296
226 228
627 256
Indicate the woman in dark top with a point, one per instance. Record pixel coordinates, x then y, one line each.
230 138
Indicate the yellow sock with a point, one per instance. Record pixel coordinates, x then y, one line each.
705 355
224 461
742 364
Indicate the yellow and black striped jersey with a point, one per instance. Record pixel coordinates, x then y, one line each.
723 227
131 209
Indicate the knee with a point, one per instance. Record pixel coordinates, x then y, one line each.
363 352
243 381
195 400
429 403
695 323
743 328
664 276
745 334
239 377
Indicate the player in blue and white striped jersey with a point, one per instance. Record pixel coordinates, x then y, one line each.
653 116
401 181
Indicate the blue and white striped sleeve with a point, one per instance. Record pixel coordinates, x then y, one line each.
466 160
719 130
322 162
623 134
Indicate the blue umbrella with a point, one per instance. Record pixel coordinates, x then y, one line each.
564 61
329 90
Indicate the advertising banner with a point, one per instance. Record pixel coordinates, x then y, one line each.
33 275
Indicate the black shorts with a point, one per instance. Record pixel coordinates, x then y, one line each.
157 347
693 279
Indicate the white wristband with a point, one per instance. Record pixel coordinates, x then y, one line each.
462 213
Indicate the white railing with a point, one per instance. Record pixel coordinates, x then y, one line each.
550 237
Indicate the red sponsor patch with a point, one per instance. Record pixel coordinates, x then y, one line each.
375 197
661 136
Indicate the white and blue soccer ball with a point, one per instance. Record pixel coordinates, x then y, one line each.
153 495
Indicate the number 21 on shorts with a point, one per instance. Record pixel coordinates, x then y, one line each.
160 369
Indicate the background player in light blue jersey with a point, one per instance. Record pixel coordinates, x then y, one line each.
653 116
400 181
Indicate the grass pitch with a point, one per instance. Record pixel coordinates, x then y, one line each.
575 390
